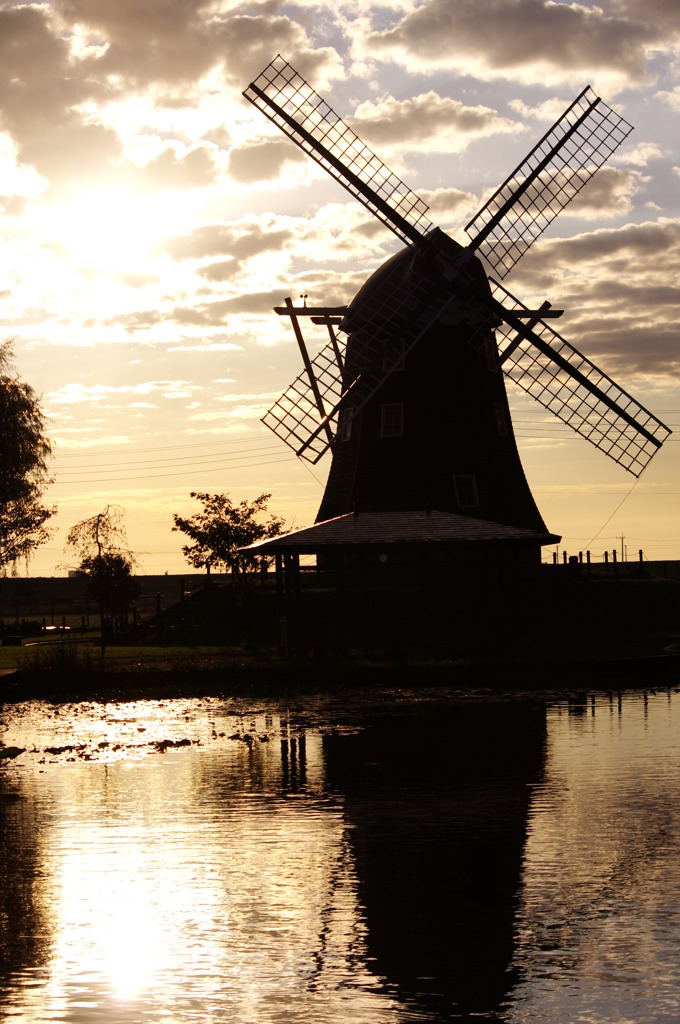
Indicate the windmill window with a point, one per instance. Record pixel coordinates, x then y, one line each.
491 354
466 491
345 419
392 419
501 421
393 353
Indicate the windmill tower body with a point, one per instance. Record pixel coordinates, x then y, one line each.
408 393
437 434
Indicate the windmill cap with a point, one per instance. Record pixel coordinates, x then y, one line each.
373 305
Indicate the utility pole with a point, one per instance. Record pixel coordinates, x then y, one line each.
622 554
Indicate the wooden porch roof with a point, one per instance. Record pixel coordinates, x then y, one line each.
402 528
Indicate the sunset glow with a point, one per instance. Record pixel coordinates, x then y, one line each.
110 230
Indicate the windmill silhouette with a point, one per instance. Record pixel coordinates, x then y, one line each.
408 391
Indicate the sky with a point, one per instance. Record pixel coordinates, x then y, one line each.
151 218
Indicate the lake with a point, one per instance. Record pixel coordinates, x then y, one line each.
403 856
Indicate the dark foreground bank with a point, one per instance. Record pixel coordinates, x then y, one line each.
638 664
586 631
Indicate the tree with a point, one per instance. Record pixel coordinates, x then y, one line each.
101 544
222 528
24 451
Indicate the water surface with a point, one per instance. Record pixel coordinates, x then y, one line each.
403 857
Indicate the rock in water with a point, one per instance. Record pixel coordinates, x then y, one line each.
8 753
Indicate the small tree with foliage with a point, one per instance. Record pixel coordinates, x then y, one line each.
101 545
24 451
222 528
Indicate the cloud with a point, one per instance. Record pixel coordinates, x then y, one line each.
634 242
258 396
179 41
665 12
263 161
66 69
671 97
13 205
168 46
248 303
254 412
171 171
105 440
429 123
617 306
40 97
135 321
643 154
29 317
550 110
242 250
221 430
449 204
73 394
238 243
609 193
206 240
222 271
210 347
230 241
532 40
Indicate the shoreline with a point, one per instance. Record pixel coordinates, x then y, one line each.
643 665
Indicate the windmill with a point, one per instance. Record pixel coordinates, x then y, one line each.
408 391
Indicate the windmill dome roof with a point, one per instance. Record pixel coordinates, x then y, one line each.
386 285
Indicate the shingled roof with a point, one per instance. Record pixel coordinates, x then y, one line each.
404 528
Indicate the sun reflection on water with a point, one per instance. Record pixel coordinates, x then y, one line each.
115 910
216 874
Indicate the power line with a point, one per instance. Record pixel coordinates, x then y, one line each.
623 499
159 463
108 452
162 476
170 447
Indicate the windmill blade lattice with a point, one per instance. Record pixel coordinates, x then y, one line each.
564 381
546 181
283 95
296 415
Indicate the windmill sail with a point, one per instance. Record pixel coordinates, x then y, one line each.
310 399
283 95
546 181
564 381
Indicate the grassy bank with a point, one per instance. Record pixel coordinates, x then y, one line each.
582 631
179 672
